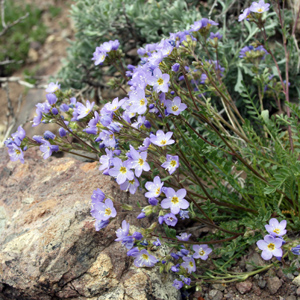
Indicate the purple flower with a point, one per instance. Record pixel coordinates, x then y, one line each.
177 284
47 149
215 36
161 139
175 67
259 7
128 242
170 219
52 87
106 161
175 107
157 243
175 256
106 210
138 161
203 23
175 268
82 110
137 235
100 224
64 107
144 259
186 280
270 246
51 98
189 264
275 228
62 132
153 201
130 185
146 144
184 214
171 164
122 232
201 251
296 250
184 237
121 171
99 56
20 133
245 14
154 188
133 252
139 101
15 153
97 196
175 200
142 215
159 81
114 105
48 135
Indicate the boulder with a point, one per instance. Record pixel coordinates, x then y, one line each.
49 248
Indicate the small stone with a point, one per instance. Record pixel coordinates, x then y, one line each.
296 280
280 274
254 260
218 286
228 296
215 295
33 56
244 287
298 291
296 273
290 276
261 283
274 284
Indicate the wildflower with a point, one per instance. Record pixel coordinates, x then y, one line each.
139 101
161 139
170 219
137 235
48 135
122 232
144 259
175 107
184 214
175 200
175 67
133 252
121 170
203 24
138 161
154 188
97 196
159 81
51 98
52 87
259 7
99 56
246 13
106 210
15 153
20 133
157 243
184 237
100 224
175 268
177 284
275 228
84 110
296 250
270 246
171 164
186 280
114 105
189 264
217 36
130 185
201 251
106 161
48 149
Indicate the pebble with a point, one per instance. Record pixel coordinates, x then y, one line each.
261 283
218 286
273 284
296 280
215 295
244 287
298 291
291 298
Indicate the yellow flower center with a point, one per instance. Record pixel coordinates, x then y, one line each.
18 152
163 142
260 10
123 170
114 107
175 200
131 181
160 81
191 264
173 163
276 230
157 191
271 246
142 102
108 211
141 161
145 256
111 136
201 253
174 107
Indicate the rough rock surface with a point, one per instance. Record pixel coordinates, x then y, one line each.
49 248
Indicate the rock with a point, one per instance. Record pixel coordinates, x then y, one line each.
48 245
244 287
298 291
273 284
296 281
33 55
218 286
261 283
289 276
291 298
215 295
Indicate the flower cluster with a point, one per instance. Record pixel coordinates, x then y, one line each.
256 7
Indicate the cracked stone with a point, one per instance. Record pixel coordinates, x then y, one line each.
274 284
244 287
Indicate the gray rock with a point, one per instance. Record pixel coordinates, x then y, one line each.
291 298
296 281
273 284
261 283
244 287
290 276
215 295
218 286
254 260
298 291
